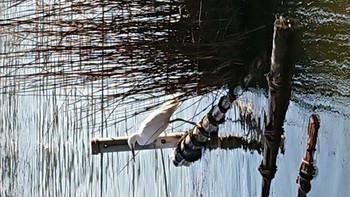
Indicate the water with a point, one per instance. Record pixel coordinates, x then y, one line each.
46 123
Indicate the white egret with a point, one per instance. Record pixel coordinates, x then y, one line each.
153 125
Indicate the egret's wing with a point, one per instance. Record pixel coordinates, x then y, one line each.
156 123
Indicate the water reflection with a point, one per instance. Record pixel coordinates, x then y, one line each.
324 65
55 94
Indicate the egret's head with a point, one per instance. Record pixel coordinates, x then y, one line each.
132 142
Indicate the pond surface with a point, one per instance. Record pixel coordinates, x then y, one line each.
46 122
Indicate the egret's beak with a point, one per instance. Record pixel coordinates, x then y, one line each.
133 152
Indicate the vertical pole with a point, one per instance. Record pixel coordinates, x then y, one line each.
307 168
283 59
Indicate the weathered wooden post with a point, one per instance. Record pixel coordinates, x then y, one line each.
283 58
190 147
307 168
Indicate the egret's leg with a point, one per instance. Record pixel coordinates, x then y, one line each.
133 153
180 119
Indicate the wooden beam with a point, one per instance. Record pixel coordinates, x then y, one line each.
120 144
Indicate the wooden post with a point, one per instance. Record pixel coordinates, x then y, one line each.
283 59
118 144
307 168
190 147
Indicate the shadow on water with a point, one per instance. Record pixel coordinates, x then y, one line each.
98 64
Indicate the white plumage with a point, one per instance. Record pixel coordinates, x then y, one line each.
154 124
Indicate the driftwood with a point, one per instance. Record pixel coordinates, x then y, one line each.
307 169
283 58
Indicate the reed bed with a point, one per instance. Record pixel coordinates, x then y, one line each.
110 55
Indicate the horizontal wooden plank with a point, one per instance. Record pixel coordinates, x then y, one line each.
119 144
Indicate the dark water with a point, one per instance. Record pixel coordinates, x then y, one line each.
60 87
324 65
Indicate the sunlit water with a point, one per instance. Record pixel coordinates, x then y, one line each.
45 140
